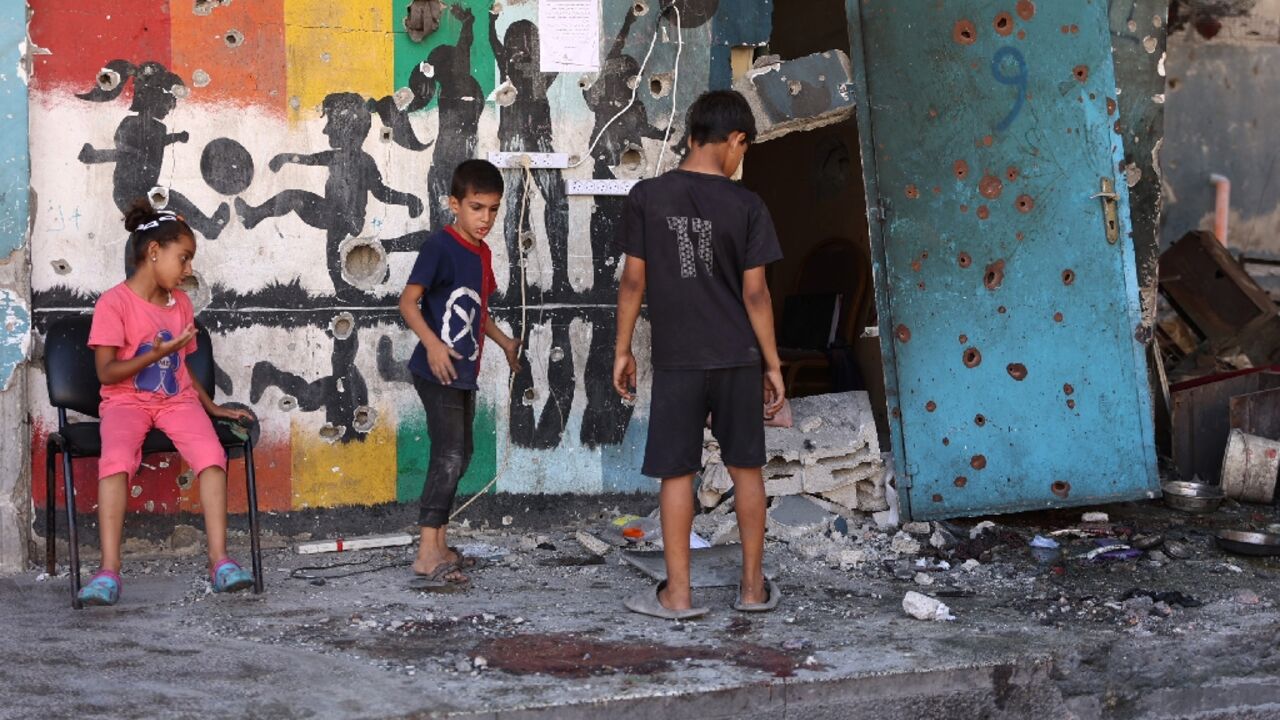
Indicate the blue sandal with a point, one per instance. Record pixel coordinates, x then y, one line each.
102 589
227 577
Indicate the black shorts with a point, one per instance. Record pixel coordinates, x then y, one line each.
678 415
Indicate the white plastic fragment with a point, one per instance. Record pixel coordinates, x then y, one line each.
980 528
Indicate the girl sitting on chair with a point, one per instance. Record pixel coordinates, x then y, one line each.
142 331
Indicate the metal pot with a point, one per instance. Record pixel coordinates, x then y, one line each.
1249 543
1192 497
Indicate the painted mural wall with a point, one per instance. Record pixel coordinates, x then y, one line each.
310 145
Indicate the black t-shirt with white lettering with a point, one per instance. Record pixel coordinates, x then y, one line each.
698 233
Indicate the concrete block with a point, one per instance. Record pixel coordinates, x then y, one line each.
785 480
846 497
831 473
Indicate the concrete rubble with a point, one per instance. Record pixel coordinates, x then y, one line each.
541 634
830 454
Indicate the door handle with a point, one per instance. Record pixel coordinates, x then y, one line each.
1110 213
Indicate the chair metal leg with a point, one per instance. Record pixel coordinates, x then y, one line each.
73 535
252 492
50 508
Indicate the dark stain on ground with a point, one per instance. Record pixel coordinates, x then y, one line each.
570 655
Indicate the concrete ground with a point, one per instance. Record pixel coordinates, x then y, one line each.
542 634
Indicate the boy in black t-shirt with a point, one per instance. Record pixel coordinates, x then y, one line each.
699 243
446 304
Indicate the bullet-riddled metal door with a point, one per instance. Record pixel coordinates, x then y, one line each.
1006 285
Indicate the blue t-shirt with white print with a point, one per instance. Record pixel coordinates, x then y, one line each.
458 278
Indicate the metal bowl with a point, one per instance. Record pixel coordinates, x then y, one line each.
1249 543
1192 497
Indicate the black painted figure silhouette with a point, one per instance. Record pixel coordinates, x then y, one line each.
460 103
340 395
353 175
140 141
525 126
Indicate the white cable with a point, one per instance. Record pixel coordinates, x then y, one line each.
675 87
634 90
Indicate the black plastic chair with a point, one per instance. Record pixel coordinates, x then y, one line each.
72 380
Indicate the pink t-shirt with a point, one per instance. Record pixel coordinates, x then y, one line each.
125 321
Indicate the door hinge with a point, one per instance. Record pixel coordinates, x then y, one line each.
1110 213
909 473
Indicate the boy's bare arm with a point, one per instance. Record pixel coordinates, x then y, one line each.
439 356
510 346
759 304
630 296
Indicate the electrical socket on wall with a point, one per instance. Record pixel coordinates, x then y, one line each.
542 161
599 187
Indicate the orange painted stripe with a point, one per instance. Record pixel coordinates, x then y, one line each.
249 69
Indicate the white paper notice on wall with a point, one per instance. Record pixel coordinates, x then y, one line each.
569 35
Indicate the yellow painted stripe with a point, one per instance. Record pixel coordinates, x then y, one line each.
337 46
333 474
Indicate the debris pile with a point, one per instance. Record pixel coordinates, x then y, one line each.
830 454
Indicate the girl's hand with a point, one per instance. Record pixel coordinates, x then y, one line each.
164 349
229 413
512 350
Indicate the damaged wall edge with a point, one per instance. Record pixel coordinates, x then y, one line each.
15 289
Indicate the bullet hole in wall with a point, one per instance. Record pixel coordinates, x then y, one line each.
108 79
505 95
332 432
342 325
158 197
631 158
364 262
660 85
364 419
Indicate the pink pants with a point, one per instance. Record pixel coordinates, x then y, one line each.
125 422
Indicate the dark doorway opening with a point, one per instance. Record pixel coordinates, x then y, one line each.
812 183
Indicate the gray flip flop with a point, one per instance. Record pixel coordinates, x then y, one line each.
774 596
437 580
646 602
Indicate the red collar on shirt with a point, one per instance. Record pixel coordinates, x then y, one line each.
477 249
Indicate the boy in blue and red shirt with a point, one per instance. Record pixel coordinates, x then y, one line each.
446 304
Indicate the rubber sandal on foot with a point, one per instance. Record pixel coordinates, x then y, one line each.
102 589
772 596
228 577
648 602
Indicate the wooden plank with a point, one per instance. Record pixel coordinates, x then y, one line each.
1209 288
1202 421
1257 413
